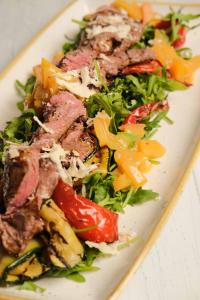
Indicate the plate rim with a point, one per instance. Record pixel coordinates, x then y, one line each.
182 182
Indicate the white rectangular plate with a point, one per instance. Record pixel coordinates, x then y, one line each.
181 141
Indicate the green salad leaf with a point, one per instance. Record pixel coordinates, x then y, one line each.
31 286
130 92
177 20
68 46
146 38
18 130
24 90
99 188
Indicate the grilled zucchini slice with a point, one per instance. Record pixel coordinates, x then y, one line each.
65 250
27 266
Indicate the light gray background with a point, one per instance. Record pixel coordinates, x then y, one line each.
172 269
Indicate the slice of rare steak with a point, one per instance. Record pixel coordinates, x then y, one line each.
21 176
76 138
19 227
63 110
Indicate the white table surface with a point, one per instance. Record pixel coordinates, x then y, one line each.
171 271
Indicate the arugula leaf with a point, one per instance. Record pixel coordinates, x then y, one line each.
147 37
68 47
141 196
18 130
24 90
118 101
113 104
72 44
178 20
152 123
99 188
81 23
31 286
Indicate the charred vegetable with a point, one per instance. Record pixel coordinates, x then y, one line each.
93 145
27 266
101 158
64 248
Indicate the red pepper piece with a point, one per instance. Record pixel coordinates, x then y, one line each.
84 214
140 113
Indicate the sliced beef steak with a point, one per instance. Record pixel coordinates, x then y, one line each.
18 228
112 65
48 179
21 176
77 59
79 140
110 30
62 111
139 55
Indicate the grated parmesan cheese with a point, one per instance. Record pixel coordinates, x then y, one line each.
48 130
122 30
77 81
113 248
77 169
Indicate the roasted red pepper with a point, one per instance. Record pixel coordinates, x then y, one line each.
147 67
166 25
85 214
140 113
179 42
163 24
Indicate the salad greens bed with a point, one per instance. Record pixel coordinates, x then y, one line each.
117 100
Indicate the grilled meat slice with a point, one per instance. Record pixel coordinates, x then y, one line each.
63 110
48 179
19 227
77 59
140 55
21 176
77 139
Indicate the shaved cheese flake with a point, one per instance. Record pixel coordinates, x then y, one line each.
121 30
114 248
77 82
48 130
111 19
57 154
105 248
77 169
13 152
